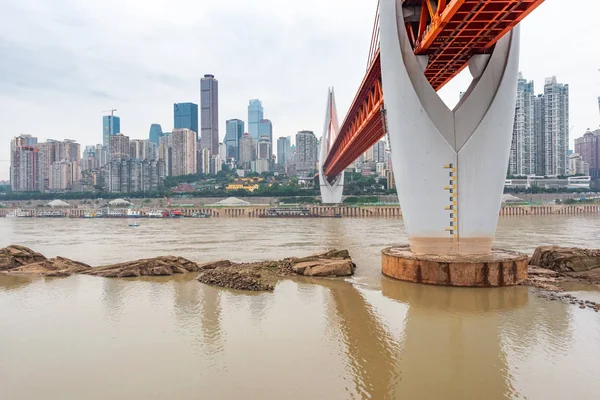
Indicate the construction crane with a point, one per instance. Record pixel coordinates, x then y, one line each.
173 213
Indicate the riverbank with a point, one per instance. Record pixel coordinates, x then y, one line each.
359 211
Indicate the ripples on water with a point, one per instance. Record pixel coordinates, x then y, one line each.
367 337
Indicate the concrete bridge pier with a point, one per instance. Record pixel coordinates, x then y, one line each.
449 164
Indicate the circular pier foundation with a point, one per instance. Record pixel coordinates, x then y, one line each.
498 268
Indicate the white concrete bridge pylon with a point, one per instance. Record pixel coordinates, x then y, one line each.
449 165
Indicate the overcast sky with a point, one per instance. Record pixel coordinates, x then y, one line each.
63 62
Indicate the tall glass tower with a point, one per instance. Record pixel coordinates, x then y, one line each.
265 128
155 133
185 116
209 105
111 125
283 150
233 134
255 115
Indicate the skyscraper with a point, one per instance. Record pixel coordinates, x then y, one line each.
255 115
24 166
523 153
265 128
539 129
246 151
556 137
111 125
379 152
205 160
209 105
263 148
183 152
156 132
234 132
588 146
185 116
119 147
283 150
306 151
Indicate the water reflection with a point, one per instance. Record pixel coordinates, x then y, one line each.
114 293
369 348
210 317
15 282
453 336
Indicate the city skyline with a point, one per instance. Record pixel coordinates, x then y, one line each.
144 91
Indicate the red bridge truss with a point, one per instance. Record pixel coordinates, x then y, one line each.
449 32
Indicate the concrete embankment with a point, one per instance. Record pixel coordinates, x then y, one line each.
254 211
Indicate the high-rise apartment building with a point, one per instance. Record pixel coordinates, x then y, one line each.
63 174
233 133
263 148
156 131
283 150
111 125
47 154
209 108
133 176
165 152
150 150
539 133
378 151
523 152
306 151
588 146
185 116
255 115
265 128
183 152
136 149
205 160
246 151
215 164
556 119
223 151
119 147
24 162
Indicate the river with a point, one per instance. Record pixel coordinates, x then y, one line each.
84 337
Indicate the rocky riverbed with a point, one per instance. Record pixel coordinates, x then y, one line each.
264 275
550 266
257 276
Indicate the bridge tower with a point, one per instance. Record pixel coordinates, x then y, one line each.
331 190
449 165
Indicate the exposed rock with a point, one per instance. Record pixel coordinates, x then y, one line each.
566 259
325 268
583 264
237 278
158 266
16 256
213 264
58 266
264 275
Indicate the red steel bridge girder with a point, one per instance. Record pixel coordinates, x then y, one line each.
363 125
449 32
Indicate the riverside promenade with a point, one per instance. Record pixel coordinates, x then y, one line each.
359 211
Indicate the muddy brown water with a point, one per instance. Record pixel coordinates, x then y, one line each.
364 337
